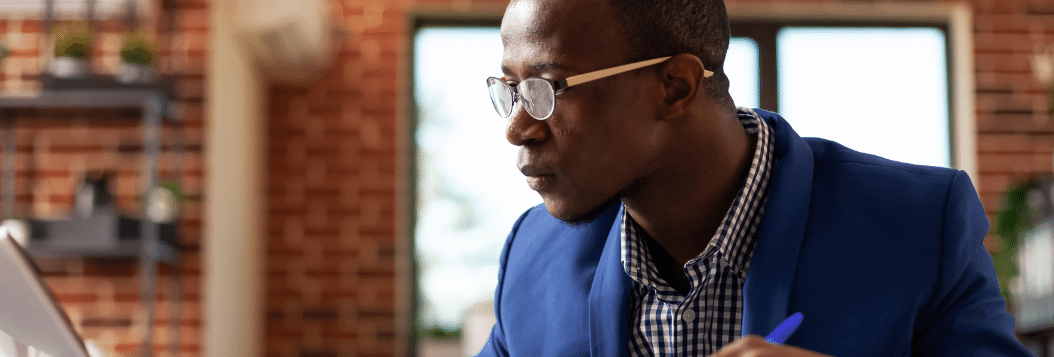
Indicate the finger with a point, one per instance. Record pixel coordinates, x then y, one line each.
755 346
741 346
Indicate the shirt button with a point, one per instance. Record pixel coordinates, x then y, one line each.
688 315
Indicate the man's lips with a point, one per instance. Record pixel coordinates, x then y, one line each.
533 170
540 182
537 178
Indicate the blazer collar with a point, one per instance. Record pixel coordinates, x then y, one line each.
766 291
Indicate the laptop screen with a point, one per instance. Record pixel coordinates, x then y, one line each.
29 314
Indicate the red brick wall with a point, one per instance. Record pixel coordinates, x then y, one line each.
332 158
56 148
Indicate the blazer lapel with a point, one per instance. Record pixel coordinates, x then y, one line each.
609 299
767 288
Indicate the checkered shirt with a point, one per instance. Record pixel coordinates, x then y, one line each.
665 323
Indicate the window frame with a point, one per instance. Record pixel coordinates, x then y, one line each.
408 319
762 23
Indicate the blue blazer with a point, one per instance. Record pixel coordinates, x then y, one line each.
882 258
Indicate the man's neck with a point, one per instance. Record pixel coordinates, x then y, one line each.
682 205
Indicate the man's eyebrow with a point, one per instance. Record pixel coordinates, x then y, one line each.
539 67
548 66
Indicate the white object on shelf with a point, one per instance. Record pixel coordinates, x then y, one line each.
162 206
69 67
134 73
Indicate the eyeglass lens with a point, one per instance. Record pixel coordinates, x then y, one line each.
537 96
501 96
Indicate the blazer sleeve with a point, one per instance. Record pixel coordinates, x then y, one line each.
495 345
966 315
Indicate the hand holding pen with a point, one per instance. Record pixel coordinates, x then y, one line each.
772 345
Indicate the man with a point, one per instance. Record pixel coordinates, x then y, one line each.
676 224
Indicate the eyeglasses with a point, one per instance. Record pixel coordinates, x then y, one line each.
539 94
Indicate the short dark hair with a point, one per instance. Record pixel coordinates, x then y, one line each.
658 28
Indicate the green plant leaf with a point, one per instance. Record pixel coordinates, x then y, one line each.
73 40
1012 220
137 48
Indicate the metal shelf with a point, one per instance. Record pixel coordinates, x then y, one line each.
83 98
96 239
98 92
126 237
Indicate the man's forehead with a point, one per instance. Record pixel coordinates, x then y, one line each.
554 34
526 18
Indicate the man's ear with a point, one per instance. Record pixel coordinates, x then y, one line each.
682 79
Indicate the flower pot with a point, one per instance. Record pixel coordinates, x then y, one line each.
134 73
69 67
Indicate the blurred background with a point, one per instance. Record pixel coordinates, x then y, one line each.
328 177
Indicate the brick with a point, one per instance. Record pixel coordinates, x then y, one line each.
1000 62
193 19
992 102
1010 163
1005 143
194 41
190 65
1013 122
992 22
191 88
997 183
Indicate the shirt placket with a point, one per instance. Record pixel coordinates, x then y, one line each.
671 303
701 278
683 312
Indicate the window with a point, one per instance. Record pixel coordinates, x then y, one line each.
468 189
742 69
877 89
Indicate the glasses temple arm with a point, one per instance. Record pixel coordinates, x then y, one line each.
595 75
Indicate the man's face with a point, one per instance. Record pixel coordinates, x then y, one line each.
601 140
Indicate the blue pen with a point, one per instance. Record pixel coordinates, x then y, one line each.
785 329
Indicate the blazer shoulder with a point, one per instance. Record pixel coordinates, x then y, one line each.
830 156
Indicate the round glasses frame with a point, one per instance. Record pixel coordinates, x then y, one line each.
540 101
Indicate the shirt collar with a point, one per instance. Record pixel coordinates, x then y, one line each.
733 242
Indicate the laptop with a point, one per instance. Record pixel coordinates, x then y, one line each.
29 313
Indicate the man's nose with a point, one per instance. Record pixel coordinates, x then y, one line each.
524 129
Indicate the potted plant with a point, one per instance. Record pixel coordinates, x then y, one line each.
73 42
4 52
1026 205
137 56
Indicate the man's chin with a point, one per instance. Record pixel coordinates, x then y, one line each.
579 217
